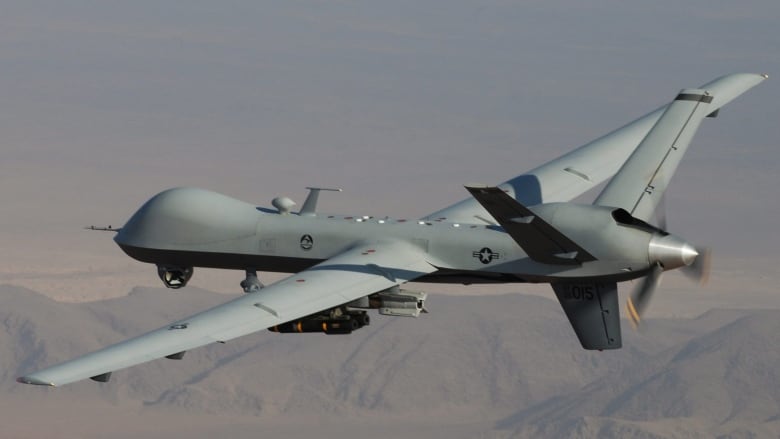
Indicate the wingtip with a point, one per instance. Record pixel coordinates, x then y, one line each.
34 381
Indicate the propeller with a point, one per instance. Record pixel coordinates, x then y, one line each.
667 251
699 270
640 297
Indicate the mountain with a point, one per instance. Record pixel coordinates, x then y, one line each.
491 366
724 383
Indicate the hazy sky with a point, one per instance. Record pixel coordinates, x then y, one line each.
104 104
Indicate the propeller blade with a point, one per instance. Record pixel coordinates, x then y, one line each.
640 297
699 270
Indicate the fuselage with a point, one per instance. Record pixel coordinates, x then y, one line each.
187 227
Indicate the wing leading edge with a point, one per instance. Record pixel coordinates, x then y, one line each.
362 270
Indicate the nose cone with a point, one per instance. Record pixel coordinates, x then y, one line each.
688 254
187 217
671 252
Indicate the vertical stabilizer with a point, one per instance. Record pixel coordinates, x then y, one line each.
593 311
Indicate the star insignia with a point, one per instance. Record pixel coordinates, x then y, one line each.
486 255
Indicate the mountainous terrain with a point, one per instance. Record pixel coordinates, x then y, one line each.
493 366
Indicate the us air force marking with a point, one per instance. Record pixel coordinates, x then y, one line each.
307 242
486 255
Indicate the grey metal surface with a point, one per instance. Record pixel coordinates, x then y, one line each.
593 311
541 241
356 273
641 182
578 171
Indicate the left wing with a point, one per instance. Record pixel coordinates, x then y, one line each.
362 270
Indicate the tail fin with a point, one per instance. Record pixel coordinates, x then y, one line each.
593 311
540 241
641 181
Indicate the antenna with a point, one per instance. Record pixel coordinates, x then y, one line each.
310 205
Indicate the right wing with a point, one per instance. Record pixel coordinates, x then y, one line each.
578 171
358 272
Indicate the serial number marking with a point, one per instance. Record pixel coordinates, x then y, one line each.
582 292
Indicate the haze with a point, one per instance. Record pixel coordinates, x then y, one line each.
399 103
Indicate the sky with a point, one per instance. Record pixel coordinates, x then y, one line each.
104 104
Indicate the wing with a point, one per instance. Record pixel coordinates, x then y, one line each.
576 172
362 270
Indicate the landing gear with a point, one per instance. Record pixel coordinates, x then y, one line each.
251 284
